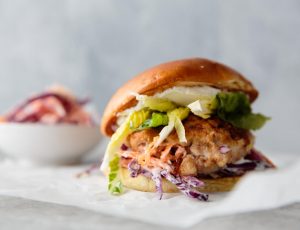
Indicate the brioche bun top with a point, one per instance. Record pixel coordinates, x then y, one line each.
186 72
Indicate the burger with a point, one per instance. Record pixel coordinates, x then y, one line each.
182 126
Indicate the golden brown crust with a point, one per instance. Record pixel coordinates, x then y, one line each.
187 72
145 184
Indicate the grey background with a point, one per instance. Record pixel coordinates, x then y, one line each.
94 46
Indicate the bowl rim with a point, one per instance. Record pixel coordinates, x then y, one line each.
43 125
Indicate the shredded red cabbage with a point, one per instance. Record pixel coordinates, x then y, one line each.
185 184
84 101
254 155
65 103
134 168
228 173
246 166
146 173
193 181
257 157
156 177
237 169
224 149
255 160
184 187
94 168
124 147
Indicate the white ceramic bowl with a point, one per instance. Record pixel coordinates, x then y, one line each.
47 144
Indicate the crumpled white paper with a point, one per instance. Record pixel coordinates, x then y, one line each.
60 185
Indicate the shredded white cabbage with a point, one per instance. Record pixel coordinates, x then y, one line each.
202 108
183 95
175 118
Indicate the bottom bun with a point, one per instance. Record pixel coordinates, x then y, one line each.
145 184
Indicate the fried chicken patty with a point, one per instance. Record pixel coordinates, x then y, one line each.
211 145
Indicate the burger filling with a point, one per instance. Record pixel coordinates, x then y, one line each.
211 145
185 134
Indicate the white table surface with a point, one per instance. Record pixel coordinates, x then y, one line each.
18 213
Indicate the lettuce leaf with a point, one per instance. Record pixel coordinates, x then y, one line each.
232 103
132 122
253 121
203 107
180 113
157 119
235 108
115 186
157 104
175 117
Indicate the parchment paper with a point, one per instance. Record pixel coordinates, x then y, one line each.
257 191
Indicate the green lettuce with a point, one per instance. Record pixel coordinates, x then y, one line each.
157 119
115 186
235 108
157 104
132 122
249 121
175 117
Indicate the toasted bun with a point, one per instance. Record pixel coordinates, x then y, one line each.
145 184
187 72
